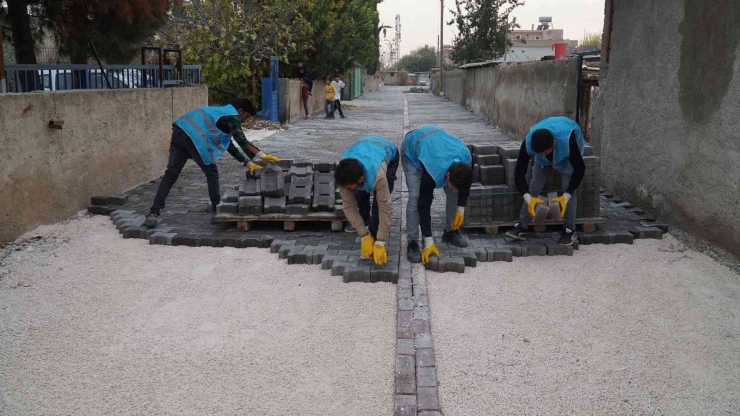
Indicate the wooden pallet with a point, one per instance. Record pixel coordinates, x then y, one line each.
245 222
588 224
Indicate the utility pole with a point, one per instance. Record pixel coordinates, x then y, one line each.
2 63
442 47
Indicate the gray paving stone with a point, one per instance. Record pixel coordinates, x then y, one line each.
272 181
386 273
404 293
324 166
432 264
286 249
620 237
161 238
646 232
530 249
249 187
338 267
227 208
405 406
230 196
422 340
514 247
277 244
421 312
421 300
300 189
135 231
427 398
297 209
555 249
99 200
425 357
405 328
405 304
405 347
500 254
301 171
452 264
250 205
429 413
356 274
422 326
405 374
274 205
323 192
487 160
404 283
426 376
484 149
328 261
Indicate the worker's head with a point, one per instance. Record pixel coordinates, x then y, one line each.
349 174
542 142
244 107
460 177
328 80
337 78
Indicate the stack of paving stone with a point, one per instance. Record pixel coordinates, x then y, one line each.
494 196
287 187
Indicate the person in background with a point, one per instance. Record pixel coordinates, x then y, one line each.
304 96
338 85
555 143
303 75
203 135
368 167
329 92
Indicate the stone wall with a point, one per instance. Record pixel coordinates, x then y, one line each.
514 96
291 104
370 83
666 120
111 140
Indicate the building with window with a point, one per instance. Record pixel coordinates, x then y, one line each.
537 43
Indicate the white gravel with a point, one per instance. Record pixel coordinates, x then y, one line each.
94 324
649 328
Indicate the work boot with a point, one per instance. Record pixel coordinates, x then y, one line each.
568 237
151 219
454 238
342 116
412 252
517 233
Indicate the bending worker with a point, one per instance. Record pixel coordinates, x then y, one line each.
369 167
433 158
555 143
203 135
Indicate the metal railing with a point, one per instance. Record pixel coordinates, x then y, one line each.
62 77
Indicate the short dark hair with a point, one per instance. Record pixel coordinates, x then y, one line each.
244 104
349 171
542 140
461 176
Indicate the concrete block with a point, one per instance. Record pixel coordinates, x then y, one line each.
508 151
492 175
646 232
405 405
250 205
249 187
301 171
301 188
286 249
251 241
427 398
484 149
162 238
530 249
323 192
555 249
302 163
136 231
272 181
274 205
276 245
405 374
230 196
324 166
285 164
405 325
452 264
227 208
298 209
386 273
554 207
541 213
356 274
470 258
99 200
487 160
425 358
660 225
100 209
588 150
432 264
118 199
514 246
338 267
500 254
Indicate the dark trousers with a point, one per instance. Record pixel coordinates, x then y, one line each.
338 106
372 220
182 149
305 105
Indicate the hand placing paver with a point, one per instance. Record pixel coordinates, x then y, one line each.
105 325
650 328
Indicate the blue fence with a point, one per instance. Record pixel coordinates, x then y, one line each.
61 77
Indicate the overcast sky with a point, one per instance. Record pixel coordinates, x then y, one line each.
420 19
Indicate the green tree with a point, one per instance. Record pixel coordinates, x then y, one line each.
420 59
230 39
482 27
591 38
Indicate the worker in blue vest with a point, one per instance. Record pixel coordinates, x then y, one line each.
203 135
433 158
555 143
368 167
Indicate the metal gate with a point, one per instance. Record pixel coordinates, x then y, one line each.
271 92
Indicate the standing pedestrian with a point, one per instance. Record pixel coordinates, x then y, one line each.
338 85
329 92
304 96
303 75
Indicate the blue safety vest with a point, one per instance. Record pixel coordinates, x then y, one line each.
371 151
200 126
436 150
561 128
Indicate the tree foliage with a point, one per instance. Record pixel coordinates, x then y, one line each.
482 29
591 38
420 59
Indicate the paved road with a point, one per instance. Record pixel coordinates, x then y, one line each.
91 323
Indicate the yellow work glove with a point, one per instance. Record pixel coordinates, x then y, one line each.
267 157
429 249
252 167
563 201
366 249
459 218
531 202
380 256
